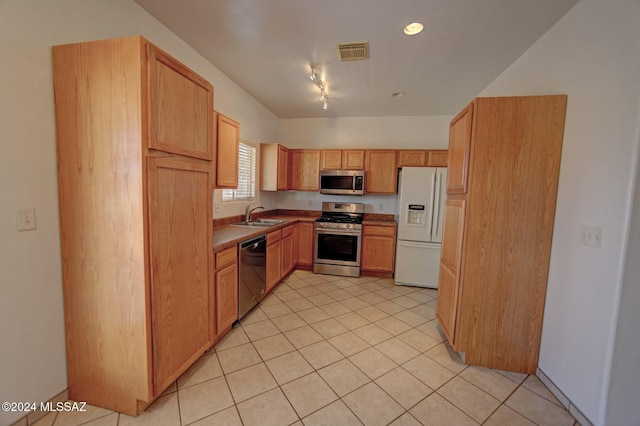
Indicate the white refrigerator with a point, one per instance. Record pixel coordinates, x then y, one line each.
421 196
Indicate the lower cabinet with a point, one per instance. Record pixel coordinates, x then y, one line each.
287 260
274 259
305 238
378 250
226 289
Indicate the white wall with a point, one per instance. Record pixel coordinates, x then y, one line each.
32 354
405 132
591 54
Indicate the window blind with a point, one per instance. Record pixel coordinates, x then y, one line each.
246 176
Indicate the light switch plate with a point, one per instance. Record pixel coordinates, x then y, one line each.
590 235
26 219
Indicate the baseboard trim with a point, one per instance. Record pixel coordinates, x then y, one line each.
564 400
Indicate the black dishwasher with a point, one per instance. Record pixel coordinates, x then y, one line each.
251 273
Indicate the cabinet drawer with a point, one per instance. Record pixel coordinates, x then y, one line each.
273 237
385 231
226 257
287 231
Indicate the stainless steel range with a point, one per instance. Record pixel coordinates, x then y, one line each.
338 239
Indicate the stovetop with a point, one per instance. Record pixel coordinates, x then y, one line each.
339 218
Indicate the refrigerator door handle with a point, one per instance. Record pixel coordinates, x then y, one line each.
412 244
431 198
436 203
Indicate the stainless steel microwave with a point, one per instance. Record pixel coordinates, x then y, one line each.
342 182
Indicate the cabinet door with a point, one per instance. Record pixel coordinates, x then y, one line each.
331 159
381 172
227 296
378 248
287 250
180 108
306 241
181 257
460 134
228 139
450 263
353 159
412 158
305 169
274 259
283 168
437 158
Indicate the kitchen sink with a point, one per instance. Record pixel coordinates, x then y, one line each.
260 223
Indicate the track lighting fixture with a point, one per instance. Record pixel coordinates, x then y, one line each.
324 98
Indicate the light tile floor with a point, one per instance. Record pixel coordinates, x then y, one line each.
325 350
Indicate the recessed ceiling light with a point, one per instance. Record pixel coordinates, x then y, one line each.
397 94
413 28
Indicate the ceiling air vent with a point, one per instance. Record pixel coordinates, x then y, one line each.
354 51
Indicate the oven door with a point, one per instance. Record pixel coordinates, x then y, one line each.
337 247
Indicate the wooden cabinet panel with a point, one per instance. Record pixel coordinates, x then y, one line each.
287 251
450 266
381 172
227 142
306 241
437 158
459 148
353 159
331 159
274 167
283 168
378 248
226 289
274 259
179 210
412 158
305 169
180 108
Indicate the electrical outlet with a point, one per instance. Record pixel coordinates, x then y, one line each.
380 206
216 207
310 203
590 236
26 219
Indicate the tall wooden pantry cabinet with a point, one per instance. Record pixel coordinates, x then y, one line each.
504 160
135 150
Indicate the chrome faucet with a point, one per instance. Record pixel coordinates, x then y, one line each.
247 212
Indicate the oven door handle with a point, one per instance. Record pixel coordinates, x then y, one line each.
337 232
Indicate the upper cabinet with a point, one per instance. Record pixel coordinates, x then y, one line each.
228 139
274 167
412 158
459 147
437 158
381 173
305 169
339 159
179 108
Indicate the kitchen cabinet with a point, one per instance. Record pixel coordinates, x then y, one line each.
412 158
226 282
274 259
227 143
378 250
381 172
274 165
305 237
134 149
304 169
437 158
287 251
459 148
498 226
338 159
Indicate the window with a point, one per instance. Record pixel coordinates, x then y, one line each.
246 176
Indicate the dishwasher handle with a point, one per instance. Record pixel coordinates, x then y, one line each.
254 241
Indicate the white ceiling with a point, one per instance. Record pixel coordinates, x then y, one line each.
266 46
